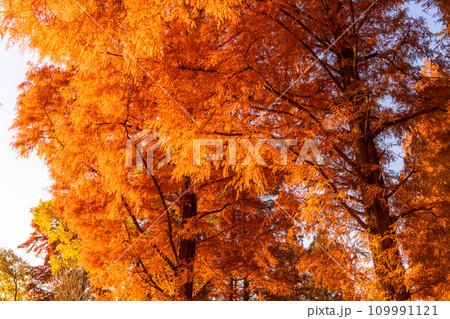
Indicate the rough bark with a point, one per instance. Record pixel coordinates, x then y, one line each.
187 244
382 237
246 290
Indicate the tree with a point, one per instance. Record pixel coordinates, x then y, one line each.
136 205
60 277
342 73
424 203
13 276
341 102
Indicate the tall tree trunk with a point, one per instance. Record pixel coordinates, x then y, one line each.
187 245
246 292
384 248
16 287
388 265
231 295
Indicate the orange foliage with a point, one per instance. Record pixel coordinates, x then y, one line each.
343 74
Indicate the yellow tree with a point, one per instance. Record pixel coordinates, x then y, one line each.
14 273
60 277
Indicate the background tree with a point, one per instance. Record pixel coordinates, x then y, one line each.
60 277
14 272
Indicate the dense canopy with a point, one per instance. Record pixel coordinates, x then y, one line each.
363 83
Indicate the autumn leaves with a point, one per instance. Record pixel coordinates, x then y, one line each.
215 214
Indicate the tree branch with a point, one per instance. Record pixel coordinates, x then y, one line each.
396 188
401 120
213 212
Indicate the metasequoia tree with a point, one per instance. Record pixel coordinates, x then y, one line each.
424 201
356 94
110 206
345 74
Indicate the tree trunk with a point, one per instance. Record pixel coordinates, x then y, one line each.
246 292
187 244
384 248
230 296
16 288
